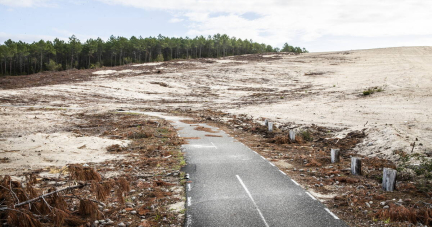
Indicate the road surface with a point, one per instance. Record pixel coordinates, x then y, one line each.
232 185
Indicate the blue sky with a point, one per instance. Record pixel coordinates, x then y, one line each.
318 25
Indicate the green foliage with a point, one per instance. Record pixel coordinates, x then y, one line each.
127 60
159 58
306 135
297 50
20 58
372 90
53 66
424 167
95 65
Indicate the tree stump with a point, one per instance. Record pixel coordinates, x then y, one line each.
335 155
270 126
389 179
292 135
355 166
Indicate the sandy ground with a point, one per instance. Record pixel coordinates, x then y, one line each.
317 88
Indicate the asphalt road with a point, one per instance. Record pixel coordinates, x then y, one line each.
232 185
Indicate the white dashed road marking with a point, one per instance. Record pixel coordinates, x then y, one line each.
189 201
253 201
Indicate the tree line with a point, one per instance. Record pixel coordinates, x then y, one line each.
20 58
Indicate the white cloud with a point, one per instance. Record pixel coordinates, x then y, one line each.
305 20
27 3
175 20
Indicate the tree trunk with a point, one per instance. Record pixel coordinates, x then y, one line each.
41 63
71 60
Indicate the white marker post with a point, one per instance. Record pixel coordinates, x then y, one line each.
292 135
355 166
270 126
389 179
335 155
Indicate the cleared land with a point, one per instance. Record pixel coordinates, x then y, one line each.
320 93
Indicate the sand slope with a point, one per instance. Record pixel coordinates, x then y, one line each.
316 88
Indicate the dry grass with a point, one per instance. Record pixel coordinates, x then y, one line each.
209 135
204 129
22 218
114 148
102 190
89 208
191 122
80 173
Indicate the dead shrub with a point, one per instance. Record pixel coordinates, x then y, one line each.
282 139
314 163
425 216
123 187
102 190
57 201
78 172
348 180
58 216
162 183
22 218
123 184
88 208
114 148
208 135
140 135
204 129
398 213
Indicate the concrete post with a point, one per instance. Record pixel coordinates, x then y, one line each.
355 166
292 135
389 179
335 155
270 126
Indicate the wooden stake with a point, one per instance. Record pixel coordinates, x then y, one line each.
266 122
335 155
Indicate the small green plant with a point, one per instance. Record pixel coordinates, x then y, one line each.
52 66
159 58
387 221
306 135
372 90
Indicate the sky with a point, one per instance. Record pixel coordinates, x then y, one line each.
317 25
